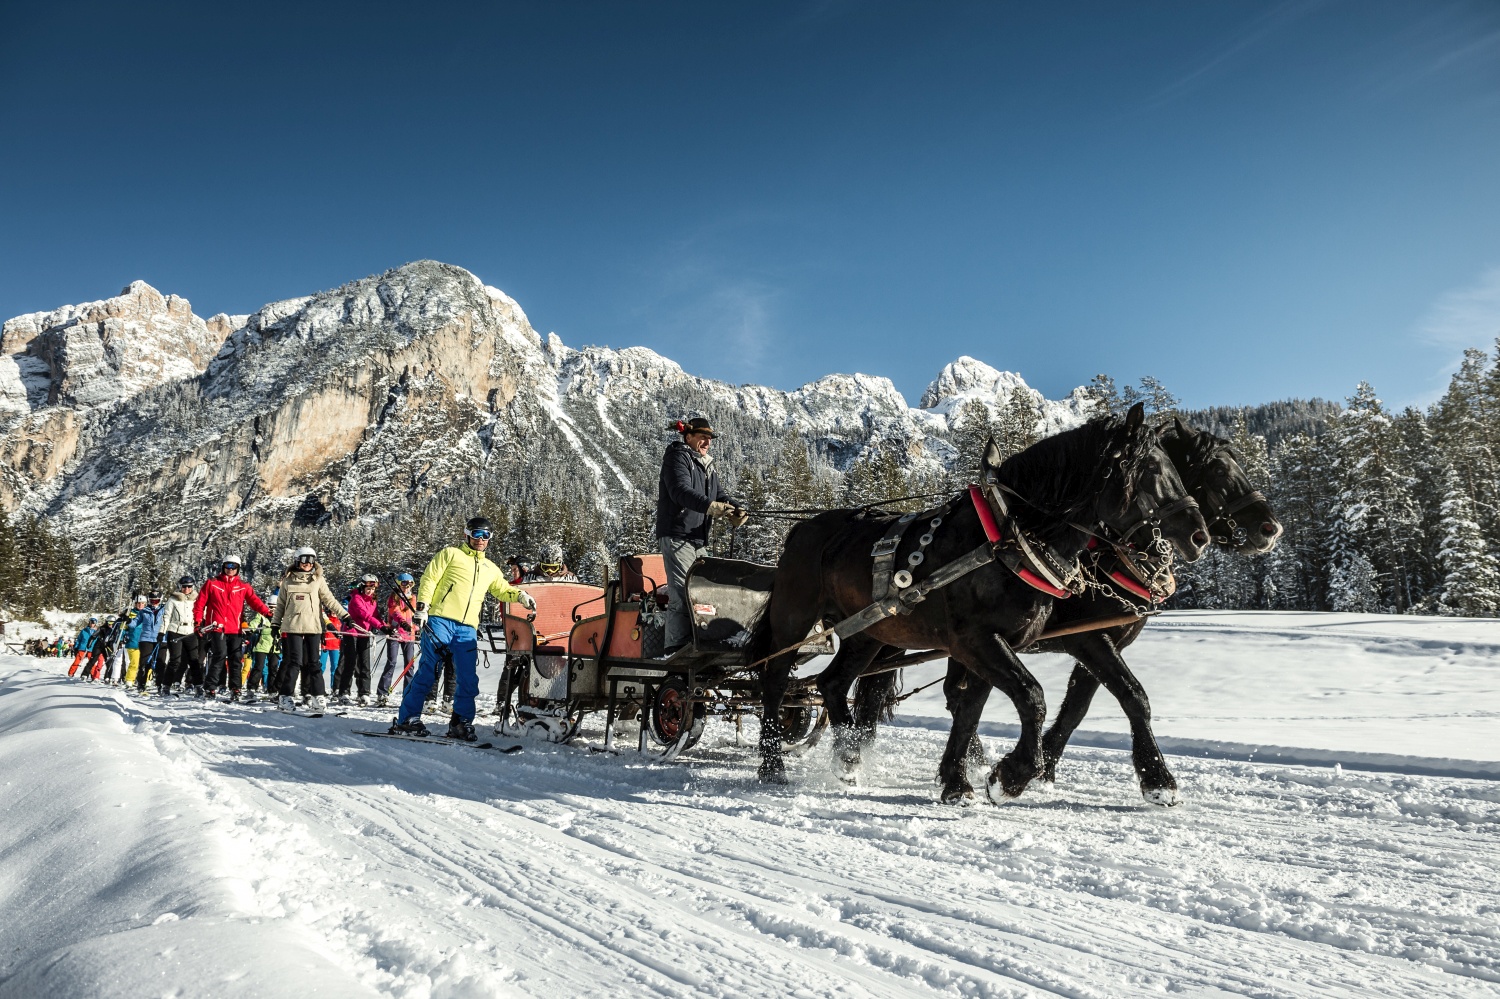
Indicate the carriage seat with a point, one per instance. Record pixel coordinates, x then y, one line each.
641 575
558 607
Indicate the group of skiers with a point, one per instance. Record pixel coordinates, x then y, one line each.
222 636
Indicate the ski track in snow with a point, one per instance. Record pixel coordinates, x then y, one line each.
437 870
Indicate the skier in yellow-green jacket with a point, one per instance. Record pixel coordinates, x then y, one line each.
449 598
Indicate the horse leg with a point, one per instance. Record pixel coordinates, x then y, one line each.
1075 706
1099 656
965 694
993 660
775 677
854 656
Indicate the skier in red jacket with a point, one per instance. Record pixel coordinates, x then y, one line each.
217 615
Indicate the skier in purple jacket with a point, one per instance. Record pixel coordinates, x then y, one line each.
354 655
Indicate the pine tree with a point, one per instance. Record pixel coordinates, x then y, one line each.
1016 430
972 430
1374 514
1105 397
1471 581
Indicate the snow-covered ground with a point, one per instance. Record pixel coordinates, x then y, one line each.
172 848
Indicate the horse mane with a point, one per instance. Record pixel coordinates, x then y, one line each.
1061 476
1196 447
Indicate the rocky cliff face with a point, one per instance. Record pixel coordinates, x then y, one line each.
133 422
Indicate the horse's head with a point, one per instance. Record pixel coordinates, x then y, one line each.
1143 498
1238 516
1109 473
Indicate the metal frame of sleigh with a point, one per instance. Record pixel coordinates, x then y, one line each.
590 648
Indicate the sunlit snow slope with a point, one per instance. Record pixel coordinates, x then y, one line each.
171 848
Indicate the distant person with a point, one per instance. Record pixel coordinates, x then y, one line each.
550 568
303 607
149 638
184 662
217 613
401 647
689 495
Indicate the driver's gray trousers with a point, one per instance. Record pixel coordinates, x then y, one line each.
679 555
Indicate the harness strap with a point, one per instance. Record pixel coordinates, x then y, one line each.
1016 555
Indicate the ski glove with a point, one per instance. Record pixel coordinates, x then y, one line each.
739 517
419 617
527 601
718 508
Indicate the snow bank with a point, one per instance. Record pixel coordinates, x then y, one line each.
116 877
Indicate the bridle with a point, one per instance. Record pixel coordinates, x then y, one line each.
1220 509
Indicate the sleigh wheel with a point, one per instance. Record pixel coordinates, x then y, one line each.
798 723
674 715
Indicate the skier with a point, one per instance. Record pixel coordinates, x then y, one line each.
217 613
550 568
689 495
454 584
83 644
259 632
330 656
354 659
150 618
136 623
184 657
402 644
304 602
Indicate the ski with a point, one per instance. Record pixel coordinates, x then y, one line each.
439 740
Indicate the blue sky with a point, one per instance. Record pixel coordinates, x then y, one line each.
1247 200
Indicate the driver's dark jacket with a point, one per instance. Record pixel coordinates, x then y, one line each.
684 492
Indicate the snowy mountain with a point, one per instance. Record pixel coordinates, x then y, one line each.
132 422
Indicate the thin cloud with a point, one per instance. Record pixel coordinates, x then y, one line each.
1257 31
697 300
1465 317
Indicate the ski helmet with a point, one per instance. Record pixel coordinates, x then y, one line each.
140 598
478 524
229 560
369 577
552 555
154 595
306 552
93 620
405 577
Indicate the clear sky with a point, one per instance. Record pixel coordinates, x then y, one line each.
1247 200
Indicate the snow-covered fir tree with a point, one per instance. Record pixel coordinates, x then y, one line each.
1471 575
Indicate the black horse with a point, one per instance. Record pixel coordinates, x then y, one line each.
1108 477
1239 518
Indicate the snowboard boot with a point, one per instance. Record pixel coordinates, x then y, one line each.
381 700
363 700
315 704
287 704
445 707
413 727
461 729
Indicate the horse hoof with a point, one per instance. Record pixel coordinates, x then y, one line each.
773 775
958 794
1166 797
995 791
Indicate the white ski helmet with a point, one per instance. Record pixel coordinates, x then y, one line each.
305 551
369 577
231 560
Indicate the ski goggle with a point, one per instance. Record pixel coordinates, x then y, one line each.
231 567
307 559
552 567
481 535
